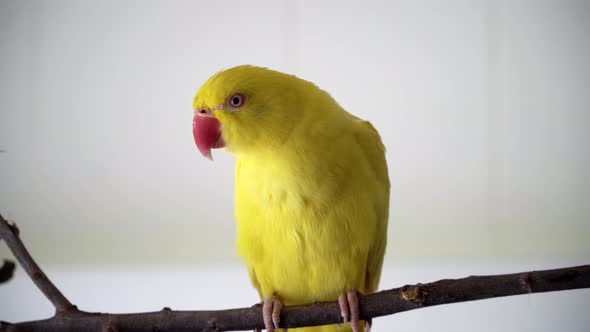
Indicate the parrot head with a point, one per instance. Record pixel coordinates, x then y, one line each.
246 109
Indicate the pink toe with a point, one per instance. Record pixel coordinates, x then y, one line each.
276 313
271 313
353 303
343 302
267 314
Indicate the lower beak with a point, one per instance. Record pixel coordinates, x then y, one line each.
207 134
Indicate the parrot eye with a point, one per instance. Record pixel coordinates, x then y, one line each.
236 100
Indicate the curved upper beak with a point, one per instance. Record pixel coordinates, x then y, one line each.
207 132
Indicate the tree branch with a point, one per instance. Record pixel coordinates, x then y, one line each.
10 235
375 305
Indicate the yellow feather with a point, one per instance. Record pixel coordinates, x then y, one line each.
311 187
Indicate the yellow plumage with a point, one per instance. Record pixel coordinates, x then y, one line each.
311 186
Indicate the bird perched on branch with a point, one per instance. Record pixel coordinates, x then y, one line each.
311 188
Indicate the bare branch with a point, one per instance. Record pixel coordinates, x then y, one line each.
9 234
375 305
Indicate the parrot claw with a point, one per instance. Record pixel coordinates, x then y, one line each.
349 309
271 312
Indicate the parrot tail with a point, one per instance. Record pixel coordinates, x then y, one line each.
329 328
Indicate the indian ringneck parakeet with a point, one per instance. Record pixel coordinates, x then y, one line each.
311 188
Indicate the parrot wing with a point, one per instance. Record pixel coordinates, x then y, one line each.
374 150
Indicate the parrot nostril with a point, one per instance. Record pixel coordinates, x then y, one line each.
203 111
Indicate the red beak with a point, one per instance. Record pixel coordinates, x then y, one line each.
207 133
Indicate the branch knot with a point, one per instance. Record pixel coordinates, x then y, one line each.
415 293
527 281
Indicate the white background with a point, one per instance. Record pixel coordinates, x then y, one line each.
483 106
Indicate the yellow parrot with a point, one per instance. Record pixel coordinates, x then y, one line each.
311 189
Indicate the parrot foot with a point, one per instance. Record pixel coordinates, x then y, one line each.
349 308
271 312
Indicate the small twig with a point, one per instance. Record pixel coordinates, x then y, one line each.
375 305
9 234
